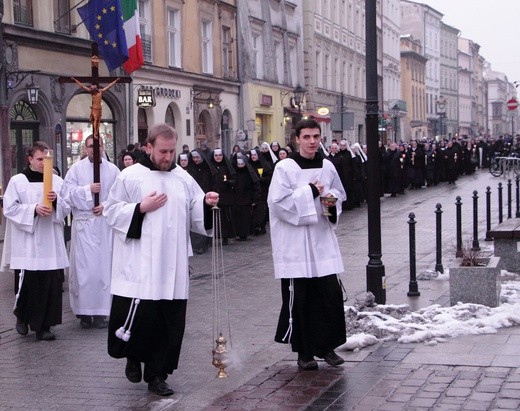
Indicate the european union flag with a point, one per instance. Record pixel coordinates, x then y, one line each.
104 21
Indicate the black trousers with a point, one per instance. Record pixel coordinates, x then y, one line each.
156 334
40 302
318 315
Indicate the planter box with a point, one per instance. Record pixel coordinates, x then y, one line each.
477 285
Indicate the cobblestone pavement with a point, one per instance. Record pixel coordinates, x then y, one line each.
465 373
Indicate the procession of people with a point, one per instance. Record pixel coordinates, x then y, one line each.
134 230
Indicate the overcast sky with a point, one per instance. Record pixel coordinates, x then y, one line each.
493 24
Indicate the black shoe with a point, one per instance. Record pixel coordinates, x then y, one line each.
100 321
21 327
45 335
158 386
307 364
333 359
133 371
85 321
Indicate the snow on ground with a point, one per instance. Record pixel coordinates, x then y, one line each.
369 323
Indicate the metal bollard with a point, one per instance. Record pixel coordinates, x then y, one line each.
517 215
509 199
438 264
488 214
476 245
500 211
413 288
458 206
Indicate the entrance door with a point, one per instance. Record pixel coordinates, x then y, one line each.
23 136
24 132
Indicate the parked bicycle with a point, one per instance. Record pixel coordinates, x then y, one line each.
499 165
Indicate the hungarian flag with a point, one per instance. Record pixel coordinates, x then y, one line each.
133 35
104 22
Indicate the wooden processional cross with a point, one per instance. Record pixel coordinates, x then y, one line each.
95 109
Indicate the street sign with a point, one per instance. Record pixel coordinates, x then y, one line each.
512 104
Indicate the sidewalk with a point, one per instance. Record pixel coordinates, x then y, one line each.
475 372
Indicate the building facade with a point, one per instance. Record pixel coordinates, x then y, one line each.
414 123
335 69
447 106
424 24
271 67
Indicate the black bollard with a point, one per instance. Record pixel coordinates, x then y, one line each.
500 214
488 214
476 245
517 215
413 288
458 206
509 199
438 212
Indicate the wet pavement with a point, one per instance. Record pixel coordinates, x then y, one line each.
471 373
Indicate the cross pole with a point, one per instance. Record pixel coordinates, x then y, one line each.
95 80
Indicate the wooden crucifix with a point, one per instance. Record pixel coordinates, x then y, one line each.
95 109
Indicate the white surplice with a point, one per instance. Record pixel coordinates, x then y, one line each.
35 243
154 267
91 240
303 240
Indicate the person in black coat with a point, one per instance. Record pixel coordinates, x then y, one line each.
223 182
265 172
393 170
340 163
451 162
415 165
201 171
246 193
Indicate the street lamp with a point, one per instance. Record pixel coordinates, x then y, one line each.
441 112
298 95
209 101
395 111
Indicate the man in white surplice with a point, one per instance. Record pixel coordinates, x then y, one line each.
34 246
91 241
152 207
306 254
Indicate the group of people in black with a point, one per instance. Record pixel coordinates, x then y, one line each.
416 164
242 179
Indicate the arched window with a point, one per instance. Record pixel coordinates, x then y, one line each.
79 127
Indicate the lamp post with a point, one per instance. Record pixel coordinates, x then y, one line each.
375 273
298 95
395 111
441 112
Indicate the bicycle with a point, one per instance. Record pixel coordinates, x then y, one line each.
500 165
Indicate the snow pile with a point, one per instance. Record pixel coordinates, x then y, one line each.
368 323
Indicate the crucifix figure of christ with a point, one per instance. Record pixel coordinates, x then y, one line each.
97 98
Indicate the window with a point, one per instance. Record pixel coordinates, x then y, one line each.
62 16
144 25
279 60
23 12
319 70
174 38
207 47
257 54
227 53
